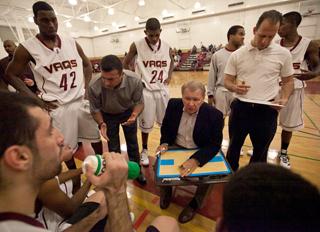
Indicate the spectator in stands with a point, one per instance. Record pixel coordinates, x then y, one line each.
177 59
194 50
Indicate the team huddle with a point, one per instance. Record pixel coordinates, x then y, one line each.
252 84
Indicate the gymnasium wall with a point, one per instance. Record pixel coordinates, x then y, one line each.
205 30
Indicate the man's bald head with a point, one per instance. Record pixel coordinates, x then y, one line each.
9 46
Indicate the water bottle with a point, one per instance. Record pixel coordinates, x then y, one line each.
98 164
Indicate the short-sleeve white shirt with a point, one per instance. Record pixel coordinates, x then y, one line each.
260 69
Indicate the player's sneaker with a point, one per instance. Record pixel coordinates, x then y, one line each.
284 161
144 160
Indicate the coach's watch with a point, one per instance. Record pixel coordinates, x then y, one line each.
100 124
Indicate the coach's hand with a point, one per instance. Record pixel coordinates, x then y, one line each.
132 119
188 167
162 148
241 89
103 130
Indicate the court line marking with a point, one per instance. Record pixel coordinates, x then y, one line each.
313 100
144 214
309 134
290 154
315 125
140 219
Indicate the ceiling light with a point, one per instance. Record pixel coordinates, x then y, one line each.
136 18
114 24
86 18
68 24
197 5
164 13
96 28
141 3
30 19
73 2
110 11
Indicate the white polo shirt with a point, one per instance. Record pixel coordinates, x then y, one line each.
260 69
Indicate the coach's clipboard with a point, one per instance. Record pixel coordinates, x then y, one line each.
167 169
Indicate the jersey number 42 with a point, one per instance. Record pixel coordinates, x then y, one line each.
64 81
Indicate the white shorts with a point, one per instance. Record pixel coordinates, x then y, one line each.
155 104
291 116
223 100
75 123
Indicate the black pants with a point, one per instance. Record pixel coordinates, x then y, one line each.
259 121
85 210
113 122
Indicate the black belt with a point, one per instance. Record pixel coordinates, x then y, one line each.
253 104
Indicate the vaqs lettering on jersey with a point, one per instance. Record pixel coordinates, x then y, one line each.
67 64
155 63
296 65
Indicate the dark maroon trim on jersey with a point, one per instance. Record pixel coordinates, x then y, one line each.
44 81
300 37
149 45
10 216
229 50
58 42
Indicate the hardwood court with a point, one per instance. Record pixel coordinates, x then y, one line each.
304 153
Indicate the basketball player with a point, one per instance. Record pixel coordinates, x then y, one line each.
154 64
60 67
218 95
26 76
304 56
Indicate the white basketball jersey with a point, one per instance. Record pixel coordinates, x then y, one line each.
216 72
58 72
298 59
152 64
50 219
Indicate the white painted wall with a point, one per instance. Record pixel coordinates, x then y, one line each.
87 46
207 30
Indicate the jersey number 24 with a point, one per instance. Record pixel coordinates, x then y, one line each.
156 76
